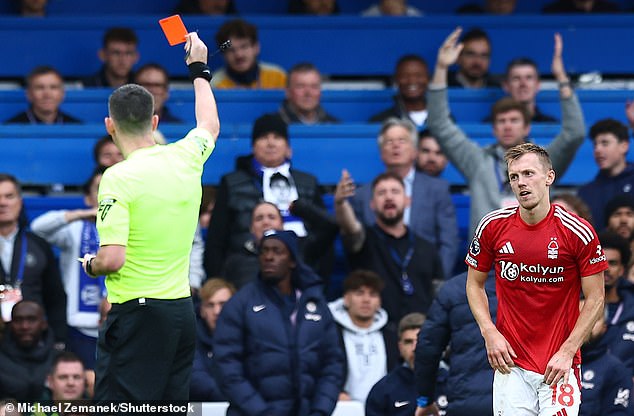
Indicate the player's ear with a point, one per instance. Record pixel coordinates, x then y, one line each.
550 177
155 121
109 125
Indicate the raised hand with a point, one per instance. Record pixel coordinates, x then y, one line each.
345 187
195 48
449 50
557 67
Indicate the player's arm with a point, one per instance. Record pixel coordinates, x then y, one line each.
109 259
499 351
594 293
205 103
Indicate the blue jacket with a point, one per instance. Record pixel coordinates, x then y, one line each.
269 366
395 395
620 335
606 383
432 215
603 188
203 385
450 323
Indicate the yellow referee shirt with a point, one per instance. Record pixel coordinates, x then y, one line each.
149 203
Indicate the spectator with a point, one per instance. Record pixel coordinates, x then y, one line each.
499 7
430 159
66 380
395 394
106 153
397 143
450 324
213 296
208 7
391 8
314 7
606 384
573 204
581 6
303 94
485 168
119 54
473 62
242 267
45 93
155 79
32 8
241 190
619 299
521 82
74 232
408 264
275 345
369 345
243 70
611 142
26 353
411 78
29 270
619 215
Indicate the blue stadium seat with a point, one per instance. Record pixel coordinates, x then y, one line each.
244 106
44 155
344 45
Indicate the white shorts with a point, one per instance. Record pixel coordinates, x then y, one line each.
524 393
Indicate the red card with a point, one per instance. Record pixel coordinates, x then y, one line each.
174 29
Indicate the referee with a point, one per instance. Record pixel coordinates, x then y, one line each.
148 210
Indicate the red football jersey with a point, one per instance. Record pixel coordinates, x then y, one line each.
538 271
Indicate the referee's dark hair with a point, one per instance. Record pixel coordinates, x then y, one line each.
131 107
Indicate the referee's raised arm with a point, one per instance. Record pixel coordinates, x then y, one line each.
200 74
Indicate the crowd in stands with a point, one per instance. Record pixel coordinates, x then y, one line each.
279 329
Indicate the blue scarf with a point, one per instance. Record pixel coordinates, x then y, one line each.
91 290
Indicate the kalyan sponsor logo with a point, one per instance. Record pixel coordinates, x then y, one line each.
532 273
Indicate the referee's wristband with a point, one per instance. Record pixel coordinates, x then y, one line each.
89 267
199 70
422 401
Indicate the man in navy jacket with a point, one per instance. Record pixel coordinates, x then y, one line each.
450 323
276 346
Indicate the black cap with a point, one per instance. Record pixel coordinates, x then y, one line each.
619 201
269 123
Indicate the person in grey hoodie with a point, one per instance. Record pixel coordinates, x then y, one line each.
484 167
371 349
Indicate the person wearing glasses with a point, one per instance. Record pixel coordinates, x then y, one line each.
408 264
154 78
473 62
119 54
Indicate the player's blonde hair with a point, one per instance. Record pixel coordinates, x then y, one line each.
520 150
